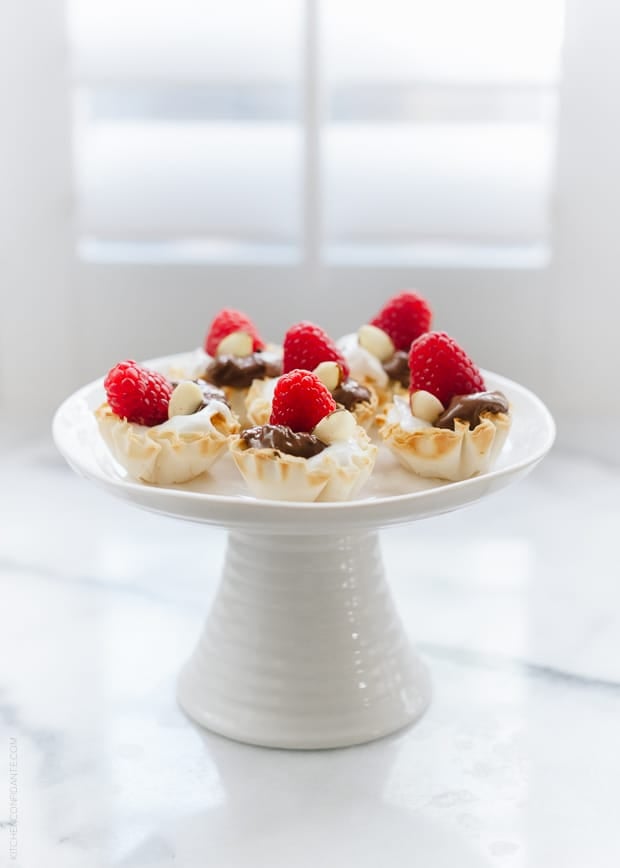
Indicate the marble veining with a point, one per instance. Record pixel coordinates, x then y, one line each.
515 602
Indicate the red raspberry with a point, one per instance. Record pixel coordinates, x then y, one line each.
306 345
404 317
440 366
137 394
226 322
300 401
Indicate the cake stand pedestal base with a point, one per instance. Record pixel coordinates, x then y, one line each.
303 647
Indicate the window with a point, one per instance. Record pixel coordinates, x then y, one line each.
348 131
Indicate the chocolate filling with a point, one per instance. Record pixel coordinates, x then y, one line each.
349 393
241 371
283 439
397 368
469 408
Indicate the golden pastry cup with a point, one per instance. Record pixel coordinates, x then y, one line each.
440 453
258 402
161 454
274 475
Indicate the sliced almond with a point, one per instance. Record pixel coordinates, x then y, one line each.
330 374
376 341
185 399
336 427
425 405
235 344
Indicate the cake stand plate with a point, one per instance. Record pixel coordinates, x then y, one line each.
303 646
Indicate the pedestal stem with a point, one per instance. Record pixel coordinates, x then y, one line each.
303 647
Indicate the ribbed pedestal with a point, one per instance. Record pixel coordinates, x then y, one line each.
303 647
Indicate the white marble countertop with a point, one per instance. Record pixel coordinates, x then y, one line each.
514 602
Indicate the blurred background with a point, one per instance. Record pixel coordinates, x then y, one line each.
160 159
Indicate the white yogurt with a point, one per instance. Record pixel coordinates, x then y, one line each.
364 366
400 414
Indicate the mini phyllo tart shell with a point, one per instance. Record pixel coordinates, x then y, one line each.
176 451
335 474
442 453
258 401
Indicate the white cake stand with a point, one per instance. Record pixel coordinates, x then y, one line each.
303 647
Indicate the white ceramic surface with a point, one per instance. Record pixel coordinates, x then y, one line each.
303 647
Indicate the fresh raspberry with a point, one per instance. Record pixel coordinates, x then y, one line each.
300 401
306 345
404 317
226 322
440 366
137 394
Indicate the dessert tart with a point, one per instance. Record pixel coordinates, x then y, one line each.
237 356
450 427
308 347
378 354
310 450
160 431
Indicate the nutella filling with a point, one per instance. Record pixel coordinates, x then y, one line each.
349 393
283 439
241 371
469 408
397 368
